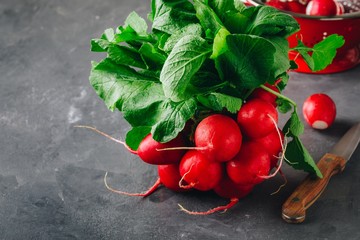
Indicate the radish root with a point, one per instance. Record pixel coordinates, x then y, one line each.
282 155
224 208
282 185
189 186
107 136
182 148
145 194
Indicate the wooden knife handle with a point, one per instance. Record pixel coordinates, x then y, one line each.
294 208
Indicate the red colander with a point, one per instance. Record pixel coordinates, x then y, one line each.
315 28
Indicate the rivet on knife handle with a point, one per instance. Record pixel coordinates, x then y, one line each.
294 208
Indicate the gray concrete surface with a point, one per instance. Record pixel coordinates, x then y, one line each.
51 174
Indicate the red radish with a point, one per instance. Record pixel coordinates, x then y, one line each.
250 165
265 95
339 8
219 137
282 5
322 8
273 145
170 176
199 172
228 189
255 118
297 6
319 111
149 152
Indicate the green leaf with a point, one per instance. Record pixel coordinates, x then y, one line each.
208 18
99 45
281 63
294 126
137 23
174 118
220 45
321 54
283 106
136 135
125 56
221 7
153 58
191 29
186 58
219 101
325 51
249 61
102 44
299 158
271 22
122 87
109 35
166 118
171 16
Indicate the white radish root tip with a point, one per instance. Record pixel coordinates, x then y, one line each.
145 194
224 208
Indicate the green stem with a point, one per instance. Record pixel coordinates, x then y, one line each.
279 95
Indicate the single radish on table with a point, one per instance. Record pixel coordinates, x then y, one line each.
319 111
322 8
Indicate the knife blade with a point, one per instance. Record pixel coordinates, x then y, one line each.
333 162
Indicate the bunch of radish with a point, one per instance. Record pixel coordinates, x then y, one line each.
201 92
310 7
225 153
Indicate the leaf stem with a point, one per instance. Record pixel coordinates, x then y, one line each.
279 95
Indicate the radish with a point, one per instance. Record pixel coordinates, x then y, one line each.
279 4
322 8
261 93
219 137
319 111
151 151
199 172
297 6
250 165
255 118
273 145
228 189
170 176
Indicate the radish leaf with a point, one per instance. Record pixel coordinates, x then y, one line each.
239 65
123 88
186 58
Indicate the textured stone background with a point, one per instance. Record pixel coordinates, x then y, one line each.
51 174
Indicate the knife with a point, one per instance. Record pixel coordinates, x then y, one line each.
294 208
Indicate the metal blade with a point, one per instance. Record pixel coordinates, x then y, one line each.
348 143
